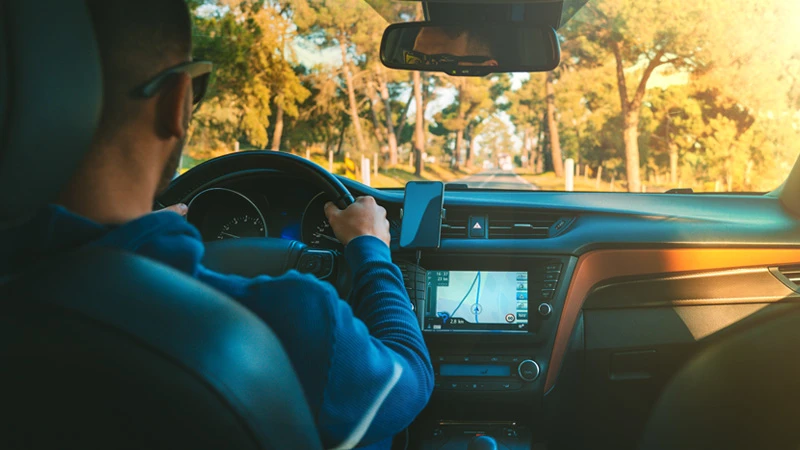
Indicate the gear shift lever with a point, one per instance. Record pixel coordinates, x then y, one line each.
482 443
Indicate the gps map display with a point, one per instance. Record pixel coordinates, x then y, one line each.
477 301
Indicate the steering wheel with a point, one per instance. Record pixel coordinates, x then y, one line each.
250 257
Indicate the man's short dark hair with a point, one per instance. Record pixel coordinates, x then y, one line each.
137 39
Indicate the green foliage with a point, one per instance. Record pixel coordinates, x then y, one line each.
709 90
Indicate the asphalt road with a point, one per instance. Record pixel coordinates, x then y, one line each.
497 179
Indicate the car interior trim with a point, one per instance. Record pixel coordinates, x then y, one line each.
601 265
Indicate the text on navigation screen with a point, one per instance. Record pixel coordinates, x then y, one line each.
476 301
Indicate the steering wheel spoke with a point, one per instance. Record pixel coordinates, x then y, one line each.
320 263
251 257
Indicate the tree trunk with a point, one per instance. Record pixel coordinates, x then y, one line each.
473 138
277 135
673 165
351 94
387 107
630 137
599 178
459 146
401 121
630 112
419 126
374 101
461 125
526 145
345 124
552 125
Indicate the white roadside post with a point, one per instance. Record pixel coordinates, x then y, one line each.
330 161
375 163
308 154
365 173
569 172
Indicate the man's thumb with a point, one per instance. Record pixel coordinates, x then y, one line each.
180 208
331 210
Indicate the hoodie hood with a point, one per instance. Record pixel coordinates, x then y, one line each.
164 236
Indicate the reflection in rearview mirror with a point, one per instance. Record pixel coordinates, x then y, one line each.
470 50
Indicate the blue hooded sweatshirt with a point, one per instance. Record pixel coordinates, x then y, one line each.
364 368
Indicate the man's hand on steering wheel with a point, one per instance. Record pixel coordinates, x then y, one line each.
179 208
362 218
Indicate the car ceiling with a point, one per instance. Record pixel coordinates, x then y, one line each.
554 13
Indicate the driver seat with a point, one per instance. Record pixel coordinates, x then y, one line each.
101 349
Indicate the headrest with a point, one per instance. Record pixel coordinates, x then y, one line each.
50 100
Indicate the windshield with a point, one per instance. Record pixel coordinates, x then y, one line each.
649 96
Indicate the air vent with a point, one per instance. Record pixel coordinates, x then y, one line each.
792 273
454 225
523 225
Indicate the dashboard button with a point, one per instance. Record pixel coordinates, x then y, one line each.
510 386
547 293
545 309
549 285
551 276
477 226
553 267
528 370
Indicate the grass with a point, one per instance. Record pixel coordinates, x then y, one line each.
387 177
548 181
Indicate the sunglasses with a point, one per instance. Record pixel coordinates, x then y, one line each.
200 71
415 57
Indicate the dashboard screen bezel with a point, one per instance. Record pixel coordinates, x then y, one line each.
533 265
489 328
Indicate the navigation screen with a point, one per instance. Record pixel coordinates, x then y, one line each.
477 301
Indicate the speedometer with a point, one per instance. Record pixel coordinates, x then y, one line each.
316 231
323 237
241 227
220 213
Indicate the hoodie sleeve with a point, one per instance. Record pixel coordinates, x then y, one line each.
366 372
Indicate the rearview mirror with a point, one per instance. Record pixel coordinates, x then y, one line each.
470 50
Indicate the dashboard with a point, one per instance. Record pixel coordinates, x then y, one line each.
275 206
562 322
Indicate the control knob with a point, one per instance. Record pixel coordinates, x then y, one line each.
545 309
528 370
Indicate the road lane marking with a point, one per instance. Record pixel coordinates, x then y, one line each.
494 175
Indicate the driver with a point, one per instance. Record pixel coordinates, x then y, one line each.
452 44
364 369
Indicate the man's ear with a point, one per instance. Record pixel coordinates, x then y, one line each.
173 113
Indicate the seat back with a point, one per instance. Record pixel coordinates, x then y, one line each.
100 349
108 350
740 392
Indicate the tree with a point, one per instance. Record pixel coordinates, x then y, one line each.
341 23
524 108
679 125
495 139
247 41
475 97
419 125
641 40
552 125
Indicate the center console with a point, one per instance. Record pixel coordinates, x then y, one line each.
489 323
